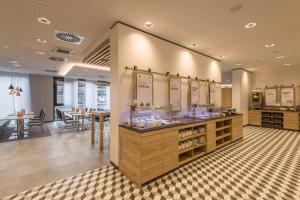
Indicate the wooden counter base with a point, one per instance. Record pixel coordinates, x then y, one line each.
146 156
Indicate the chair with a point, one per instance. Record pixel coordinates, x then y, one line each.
68 123
37 122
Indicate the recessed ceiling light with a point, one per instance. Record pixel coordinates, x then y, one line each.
250 25
40 52
44 20
238 64
41 41
270 45
194 45
280 57
13 61
148 24
287 64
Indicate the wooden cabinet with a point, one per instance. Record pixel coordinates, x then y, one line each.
291 120
146 156
254 117
237 128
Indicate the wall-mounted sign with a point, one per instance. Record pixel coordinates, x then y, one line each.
175 93
287 96
203 93
270 96
194 91
144 88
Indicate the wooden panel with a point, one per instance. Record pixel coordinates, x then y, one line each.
254 117
130 158
237 128
152 158
170 150
227 97
211 137
291 120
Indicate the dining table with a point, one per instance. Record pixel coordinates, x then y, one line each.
77 115
20 122
101 115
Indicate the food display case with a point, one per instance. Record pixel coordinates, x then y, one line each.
203 112
143 117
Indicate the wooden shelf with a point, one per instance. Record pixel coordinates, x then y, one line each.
223 127
185 150
199 134
223 136
199 145
197 155
223 144
186 138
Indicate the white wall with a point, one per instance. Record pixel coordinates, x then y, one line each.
130 47
277 76
241 87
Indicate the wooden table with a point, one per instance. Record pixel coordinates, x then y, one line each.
20 121
77 115
101 116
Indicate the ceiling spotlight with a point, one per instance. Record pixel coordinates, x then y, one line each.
44 20
280 57
287 64
40 52
194 45
238 64
250 25
41 41
13 61
148 24
270 45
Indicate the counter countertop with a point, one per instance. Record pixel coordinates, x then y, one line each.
183 121
275 110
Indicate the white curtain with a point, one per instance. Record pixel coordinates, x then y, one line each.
91 94
11 103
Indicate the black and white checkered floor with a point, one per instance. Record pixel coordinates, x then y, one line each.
264 165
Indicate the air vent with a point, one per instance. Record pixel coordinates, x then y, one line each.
57 59
62 50
68 37
100 55
51 70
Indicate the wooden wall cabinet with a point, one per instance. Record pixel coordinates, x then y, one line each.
254 117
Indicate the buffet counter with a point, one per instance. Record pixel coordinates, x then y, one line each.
158 150
274 118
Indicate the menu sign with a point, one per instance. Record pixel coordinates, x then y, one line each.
270 96
194 92
175 93
287 96
144 88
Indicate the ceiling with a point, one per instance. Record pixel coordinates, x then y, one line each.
216 26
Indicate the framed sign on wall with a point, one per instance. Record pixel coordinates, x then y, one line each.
270 96
144 88
194 92
287 96
175 93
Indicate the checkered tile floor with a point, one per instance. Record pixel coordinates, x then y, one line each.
264 165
